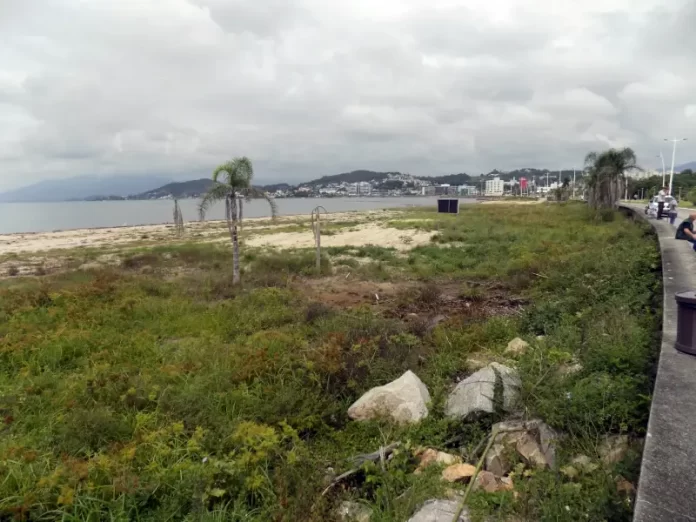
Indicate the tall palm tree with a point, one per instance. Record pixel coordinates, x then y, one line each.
607 176
232 184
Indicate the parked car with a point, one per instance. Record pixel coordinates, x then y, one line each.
651 208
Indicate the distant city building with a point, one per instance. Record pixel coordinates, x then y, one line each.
468 190
495 187
428 190
442 190
361 188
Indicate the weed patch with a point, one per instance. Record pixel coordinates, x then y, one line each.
175 395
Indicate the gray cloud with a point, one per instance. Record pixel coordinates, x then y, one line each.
308 88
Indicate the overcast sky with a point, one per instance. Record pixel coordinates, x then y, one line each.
314 87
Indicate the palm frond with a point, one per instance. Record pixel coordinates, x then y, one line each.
591 158
256 193
244 171
217 192
237 173
223 171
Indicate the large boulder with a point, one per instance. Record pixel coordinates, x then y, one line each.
404 400
476 393
439 511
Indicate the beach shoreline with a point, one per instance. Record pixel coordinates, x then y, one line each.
199 231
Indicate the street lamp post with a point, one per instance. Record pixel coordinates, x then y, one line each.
662 158
674 154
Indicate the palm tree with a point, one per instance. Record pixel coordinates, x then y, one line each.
607 176
232 184
178 219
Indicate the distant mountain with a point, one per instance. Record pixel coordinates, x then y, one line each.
450 179
82 187
691 165
351 177
185 189
194 189
276 187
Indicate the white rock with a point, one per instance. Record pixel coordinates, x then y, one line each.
439 511
476 393
353 512
516 347
404 400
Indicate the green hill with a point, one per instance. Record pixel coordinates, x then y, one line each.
184 189
350 177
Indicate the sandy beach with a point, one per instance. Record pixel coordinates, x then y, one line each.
33 243
27 254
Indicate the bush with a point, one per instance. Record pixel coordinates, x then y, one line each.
316 310
297 263
691 196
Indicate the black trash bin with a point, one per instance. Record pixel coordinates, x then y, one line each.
686 322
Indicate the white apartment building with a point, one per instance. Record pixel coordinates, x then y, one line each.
495 187
361 188
468 190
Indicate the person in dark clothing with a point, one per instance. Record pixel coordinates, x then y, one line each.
685 231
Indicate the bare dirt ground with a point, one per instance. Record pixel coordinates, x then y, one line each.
408 299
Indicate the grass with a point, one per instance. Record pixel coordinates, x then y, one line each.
169 394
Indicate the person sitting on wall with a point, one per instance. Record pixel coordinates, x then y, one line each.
685 231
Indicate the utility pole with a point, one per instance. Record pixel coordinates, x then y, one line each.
573 182
663 167
674 153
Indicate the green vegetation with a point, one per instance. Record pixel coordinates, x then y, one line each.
682 184
691 196
159 390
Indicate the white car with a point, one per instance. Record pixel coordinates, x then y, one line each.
651 208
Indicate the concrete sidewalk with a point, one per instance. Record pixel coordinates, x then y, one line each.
667 487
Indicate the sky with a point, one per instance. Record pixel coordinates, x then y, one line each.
307 88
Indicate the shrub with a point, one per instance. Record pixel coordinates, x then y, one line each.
691 196
137 261
84 431
429 294
316 310
297 263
